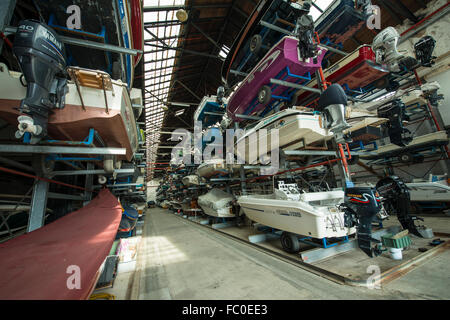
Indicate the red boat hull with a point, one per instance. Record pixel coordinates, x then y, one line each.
41 264
137 26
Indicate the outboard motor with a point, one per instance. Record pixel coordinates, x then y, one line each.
41 57
365 6
220 94
332 104
361 206
304 30
424 51
386 53
395 112
397 200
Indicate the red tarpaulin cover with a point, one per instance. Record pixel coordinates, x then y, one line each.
35 265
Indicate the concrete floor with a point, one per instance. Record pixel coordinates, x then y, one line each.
179 260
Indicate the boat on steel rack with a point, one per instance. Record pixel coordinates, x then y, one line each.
296 129
270 20
217 203
47 107
331 216
430 191
117 22
410 153
310 215
300 128
353 72
256 95
211 109
214 167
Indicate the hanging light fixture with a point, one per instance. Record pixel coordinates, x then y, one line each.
182 15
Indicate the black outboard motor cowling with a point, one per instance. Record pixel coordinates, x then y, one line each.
361 206
41 56
396 113
332 104
397 200
304 30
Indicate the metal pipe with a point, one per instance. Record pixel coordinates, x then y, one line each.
293 85
14 148
40 178
88 44
439 13
86 172
16 164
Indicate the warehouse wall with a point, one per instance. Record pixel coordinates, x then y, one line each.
439 30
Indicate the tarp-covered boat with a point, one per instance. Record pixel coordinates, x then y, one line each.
40 264
217 203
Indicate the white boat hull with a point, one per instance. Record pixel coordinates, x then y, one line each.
295 130
429 192
297 217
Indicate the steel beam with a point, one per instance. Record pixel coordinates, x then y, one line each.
189 90
322 153
239 73
185 50
275 28
295 86
89 171
243 116
88 44
176 7
63 196
20 148
206 36
38 205
6 12
119 185
16 164
88 183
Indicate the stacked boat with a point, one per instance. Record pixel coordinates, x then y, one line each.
314 214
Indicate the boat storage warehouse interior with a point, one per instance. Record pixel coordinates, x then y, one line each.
254 151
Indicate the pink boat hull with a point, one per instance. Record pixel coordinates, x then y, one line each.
281 56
